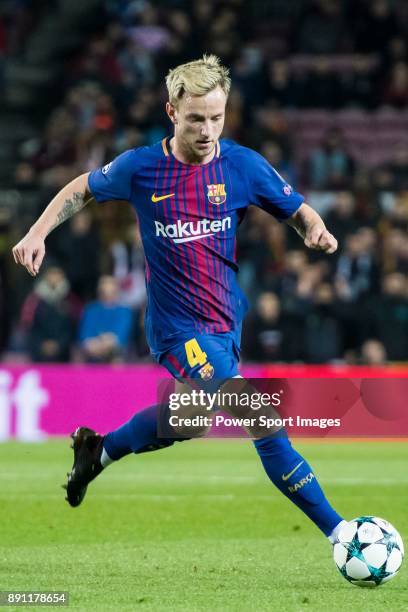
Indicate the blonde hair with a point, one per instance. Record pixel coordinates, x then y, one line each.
197 78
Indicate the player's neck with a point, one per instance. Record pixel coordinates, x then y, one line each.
186 157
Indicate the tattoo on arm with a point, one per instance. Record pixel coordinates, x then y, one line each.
71 206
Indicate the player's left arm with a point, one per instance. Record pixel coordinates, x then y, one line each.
310 226
269 190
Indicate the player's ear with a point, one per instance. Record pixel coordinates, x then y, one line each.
171 112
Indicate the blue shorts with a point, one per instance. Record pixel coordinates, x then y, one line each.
204 356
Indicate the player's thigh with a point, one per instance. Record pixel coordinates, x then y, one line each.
201 363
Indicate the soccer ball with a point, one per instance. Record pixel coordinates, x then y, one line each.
368 551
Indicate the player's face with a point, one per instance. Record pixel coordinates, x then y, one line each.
198 123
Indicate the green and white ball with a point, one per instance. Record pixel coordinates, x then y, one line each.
368 551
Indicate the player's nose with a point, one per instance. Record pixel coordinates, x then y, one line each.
205 130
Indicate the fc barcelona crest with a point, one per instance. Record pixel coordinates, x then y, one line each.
206 372
216 194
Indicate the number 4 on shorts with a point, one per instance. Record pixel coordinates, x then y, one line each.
195 355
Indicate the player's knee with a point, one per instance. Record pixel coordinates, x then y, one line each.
189 428
191 421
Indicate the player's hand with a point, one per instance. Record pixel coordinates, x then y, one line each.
29 252
319 239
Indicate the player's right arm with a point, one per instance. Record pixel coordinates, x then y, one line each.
112 182
30 251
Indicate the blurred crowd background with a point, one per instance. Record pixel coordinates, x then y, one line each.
320 88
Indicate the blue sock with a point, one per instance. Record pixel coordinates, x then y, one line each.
294 477
138 435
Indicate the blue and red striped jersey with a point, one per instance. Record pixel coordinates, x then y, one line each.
188 217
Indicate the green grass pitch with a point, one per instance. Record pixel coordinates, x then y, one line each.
194 527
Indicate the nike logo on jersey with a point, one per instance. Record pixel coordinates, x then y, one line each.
287 476
156 198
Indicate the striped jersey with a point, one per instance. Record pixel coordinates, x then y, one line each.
188 218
